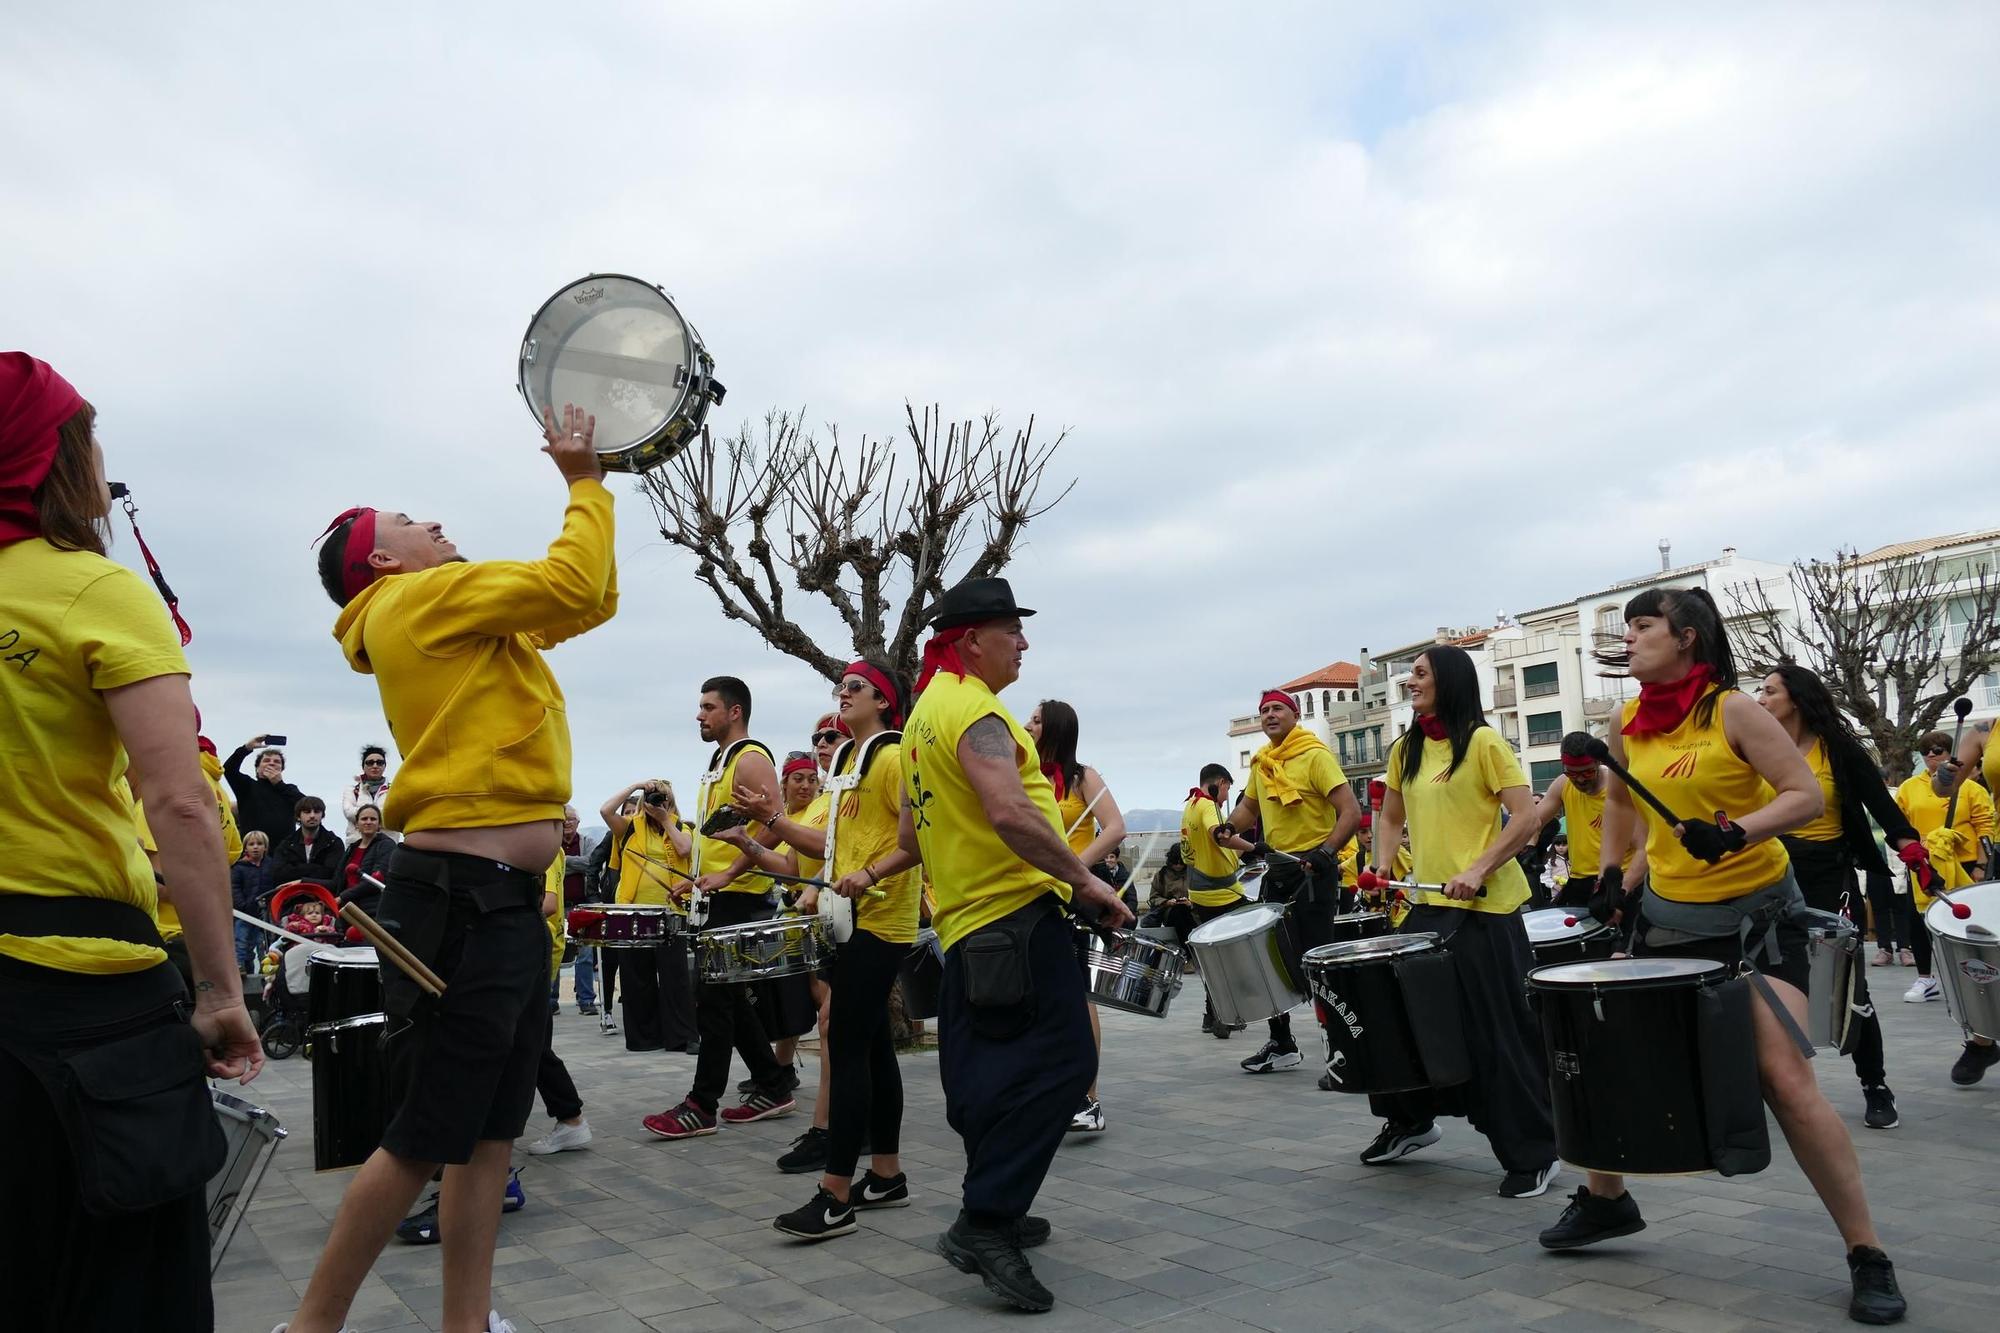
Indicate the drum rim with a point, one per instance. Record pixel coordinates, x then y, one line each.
698 372
1275 911
1687 971
353 1021
331 958
1381 946
1583 920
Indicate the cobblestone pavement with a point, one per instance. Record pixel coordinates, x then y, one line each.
1215 1200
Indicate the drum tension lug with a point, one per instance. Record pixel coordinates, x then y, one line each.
1597 1004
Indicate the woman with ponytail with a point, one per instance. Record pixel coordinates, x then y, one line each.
1722 889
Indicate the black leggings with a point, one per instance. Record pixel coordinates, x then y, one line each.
866 1087
553 1081
727 1018
1887 908
1825 876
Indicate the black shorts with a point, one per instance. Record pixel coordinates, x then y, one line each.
462 1067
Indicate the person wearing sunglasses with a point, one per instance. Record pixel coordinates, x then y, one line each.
1924 800
370 787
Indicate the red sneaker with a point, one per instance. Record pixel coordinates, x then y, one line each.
759 1106
686 1121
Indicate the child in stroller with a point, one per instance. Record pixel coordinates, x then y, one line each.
304 909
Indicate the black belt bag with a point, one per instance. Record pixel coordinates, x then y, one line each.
999 973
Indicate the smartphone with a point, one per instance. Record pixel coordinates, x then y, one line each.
275 740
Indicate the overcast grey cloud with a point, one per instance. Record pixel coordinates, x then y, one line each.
1362 320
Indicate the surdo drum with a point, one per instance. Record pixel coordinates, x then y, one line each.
1968 957
1243 966
342 983
1559 935
1388 1010
350 1073
619 349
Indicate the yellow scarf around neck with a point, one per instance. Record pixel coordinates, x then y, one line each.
1269 764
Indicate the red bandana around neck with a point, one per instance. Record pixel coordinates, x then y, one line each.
1053 772
1663 706
1433 726
355 571
1197 794
34 403
941 654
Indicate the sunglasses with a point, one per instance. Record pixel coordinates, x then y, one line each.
827 737
1938 749
373 763
852 685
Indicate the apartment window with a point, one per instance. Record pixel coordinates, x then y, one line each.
1540 680
1610 621
1243 759
1545 728
1325 701
1542 772
1309 703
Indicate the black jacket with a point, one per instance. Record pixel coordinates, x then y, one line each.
322 866
1858 784
269 808
600 878
374 861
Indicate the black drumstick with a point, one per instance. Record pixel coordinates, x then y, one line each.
1601 752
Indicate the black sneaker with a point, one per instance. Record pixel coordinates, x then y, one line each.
790 1081
1973 1062
1528 1184
808 1153
1398 1141
1221 1031
995 1254
1877 1299
1589 1219
1881 1108
420 1227
872 1191
587 1009
1273 1056
822 1219
1031 1231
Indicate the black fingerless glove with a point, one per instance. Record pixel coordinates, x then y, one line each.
1609 895
1711 842
1323 863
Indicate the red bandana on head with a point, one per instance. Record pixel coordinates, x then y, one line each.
355 571
1278 697
884 687
1578 763
804 763
1662 707
34 403
941 654
1433 726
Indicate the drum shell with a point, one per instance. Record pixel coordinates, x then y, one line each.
1833 950
1371 1044
921 976
1359 926
350 1078
1247 977
341 984
1625 1074
624 926
1131 973
252 1135
1967 969
1586 946
761 951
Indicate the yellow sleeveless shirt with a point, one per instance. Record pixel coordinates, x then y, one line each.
1694 773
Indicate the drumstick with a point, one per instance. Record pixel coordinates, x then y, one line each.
392 948
1368 880
1601 752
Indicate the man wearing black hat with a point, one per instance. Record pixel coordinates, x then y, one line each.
1015 1048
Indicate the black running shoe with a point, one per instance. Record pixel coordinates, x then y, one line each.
872 1191
1881 1108
1877 1299
1973 1062
1398 1141
420 1227
1272 1056
1031 1231
808 1153
995 1254
1589 1219
1529 1184
822 1219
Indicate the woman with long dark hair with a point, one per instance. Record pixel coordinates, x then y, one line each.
1450 777
1722 890
1826 852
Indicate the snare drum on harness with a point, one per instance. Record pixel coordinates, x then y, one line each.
622 925
253 1134
1128 972
762 950
1968 957
618 348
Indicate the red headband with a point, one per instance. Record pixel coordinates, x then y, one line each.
355 571
833 722
1279 697
804 763
883 686
1578 763
34 403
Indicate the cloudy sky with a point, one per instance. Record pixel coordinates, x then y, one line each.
1361 319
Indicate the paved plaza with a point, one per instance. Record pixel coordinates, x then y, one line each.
1216 1200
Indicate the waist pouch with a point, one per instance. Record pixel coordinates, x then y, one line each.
1429 983
1739 1143
999 974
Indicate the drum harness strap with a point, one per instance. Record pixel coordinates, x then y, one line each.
837 786
1750 918
718 765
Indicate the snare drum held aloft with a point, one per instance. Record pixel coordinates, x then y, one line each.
619 349
1131 973
1388 1011
1968 957
761 950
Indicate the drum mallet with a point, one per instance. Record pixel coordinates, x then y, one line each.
389 947
1963 708
1368 881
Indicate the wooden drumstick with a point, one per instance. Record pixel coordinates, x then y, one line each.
388 946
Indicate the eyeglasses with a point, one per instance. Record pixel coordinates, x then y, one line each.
852 685
827 737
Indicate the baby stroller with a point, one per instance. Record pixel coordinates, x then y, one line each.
284 1026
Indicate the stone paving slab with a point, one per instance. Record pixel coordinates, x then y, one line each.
1216 1201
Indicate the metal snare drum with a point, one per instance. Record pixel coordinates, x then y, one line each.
350 1076
1243 964
1131 973
252 1134
342 983
622 925
1968 957
618 348
1559 935
761 950
1833 949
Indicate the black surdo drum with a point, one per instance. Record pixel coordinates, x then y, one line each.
349 1071
1559 935
1388 1010
342 983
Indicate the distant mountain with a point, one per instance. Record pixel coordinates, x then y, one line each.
1152 821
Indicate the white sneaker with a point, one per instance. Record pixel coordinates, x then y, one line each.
495 1324
1923 988
1089 1118
561 1138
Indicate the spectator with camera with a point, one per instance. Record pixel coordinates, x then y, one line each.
266 802
371 787
653 851
309 852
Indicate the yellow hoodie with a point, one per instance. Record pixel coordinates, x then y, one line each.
456 653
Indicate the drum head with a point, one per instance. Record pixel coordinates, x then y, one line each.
357 956
1249 920
1627 972
1382 946
1552 925
615 347
1983 926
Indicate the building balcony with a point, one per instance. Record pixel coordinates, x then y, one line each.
1541 689
1600 708
1504 696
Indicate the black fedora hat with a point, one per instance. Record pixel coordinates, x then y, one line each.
974 602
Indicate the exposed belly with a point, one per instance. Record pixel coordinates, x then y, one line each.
531 846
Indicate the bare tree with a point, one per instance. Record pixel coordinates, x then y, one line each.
838 522
1882 637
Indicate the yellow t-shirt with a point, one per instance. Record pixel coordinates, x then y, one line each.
1350 861
1079 830
456 652
1827 827
813 816
167 915
1207 858
867 833
73 625
1305 824
977 879
712 856
1989 760
1583 825
1924 808
1695 773
1453 819
640 878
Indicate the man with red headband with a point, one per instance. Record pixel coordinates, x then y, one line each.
1300 796
456 652
1015 1051
1577 795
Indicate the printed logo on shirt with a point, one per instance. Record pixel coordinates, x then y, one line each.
1682 767
10 644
